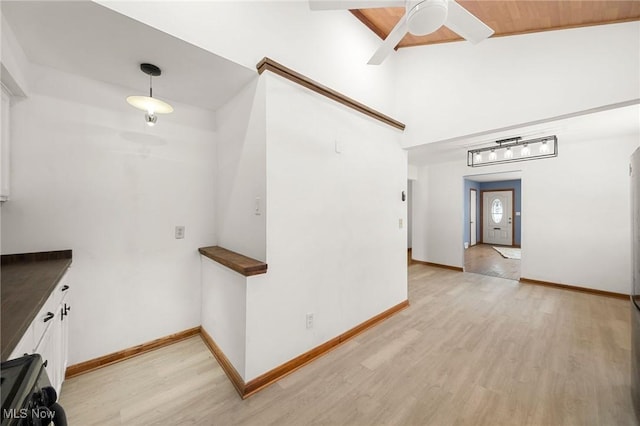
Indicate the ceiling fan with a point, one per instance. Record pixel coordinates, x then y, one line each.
422 17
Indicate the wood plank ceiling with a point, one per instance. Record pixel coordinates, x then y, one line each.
511 17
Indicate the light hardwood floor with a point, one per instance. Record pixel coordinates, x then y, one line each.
470 350
483 259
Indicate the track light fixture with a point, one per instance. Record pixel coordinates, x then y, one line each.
514 149
149 104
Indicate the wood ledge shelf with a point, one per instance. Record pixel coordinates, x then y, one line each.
236 261
268 64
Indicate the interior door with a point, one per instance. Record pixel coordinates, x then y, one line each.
473 214
497 219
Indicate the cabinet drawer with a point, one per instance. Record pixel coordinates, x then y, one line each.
61 289
44 319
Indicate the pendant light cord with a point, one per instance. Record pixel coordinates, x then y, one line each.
150 86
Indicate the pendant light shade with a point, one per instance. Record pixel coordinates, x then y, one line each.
149 104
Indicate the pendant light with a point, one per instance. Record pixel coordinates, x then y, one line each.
514 149
149 104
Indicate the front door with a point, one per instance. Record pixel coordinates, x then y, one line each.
497 220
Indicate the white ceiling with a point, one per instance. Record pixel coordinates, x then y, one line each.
622 120
87 39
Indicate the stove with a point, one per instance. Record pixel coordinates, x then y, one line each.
27 395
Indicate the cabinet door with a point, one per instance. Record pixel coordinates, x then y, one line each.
53 348
49 351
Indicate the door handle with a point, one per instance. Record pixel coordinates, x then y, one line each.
49 316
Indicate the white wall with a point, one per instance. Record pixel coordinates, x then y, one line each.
334 247
224 310
241 177
438 214
452 90
89 175
332 47
575 225
420 214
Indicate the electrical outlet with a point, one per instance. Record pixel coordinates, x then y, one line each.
179 232
310 320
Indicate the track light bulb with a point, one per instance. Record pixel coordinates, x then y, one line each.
544 148
508 153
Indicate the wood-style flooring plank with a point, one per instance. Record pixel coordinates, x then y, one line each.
483 259
470 349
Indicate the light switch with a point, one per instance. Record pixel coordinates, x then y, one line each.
258 209
309 319
338 145
400 223
517 213
179 232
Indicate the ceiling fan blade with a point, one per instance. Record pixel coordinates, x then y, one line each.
465 24
390 42
353 4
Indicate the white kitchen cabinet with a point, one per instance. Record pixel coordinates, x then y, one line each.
48 334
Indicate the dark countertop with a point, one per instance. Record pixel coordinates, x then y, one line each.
236 261
26 282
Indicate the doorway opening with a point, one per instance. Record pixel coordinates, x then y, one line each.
492 225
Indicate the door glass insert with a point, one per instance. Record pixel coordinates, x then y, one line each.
496 211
